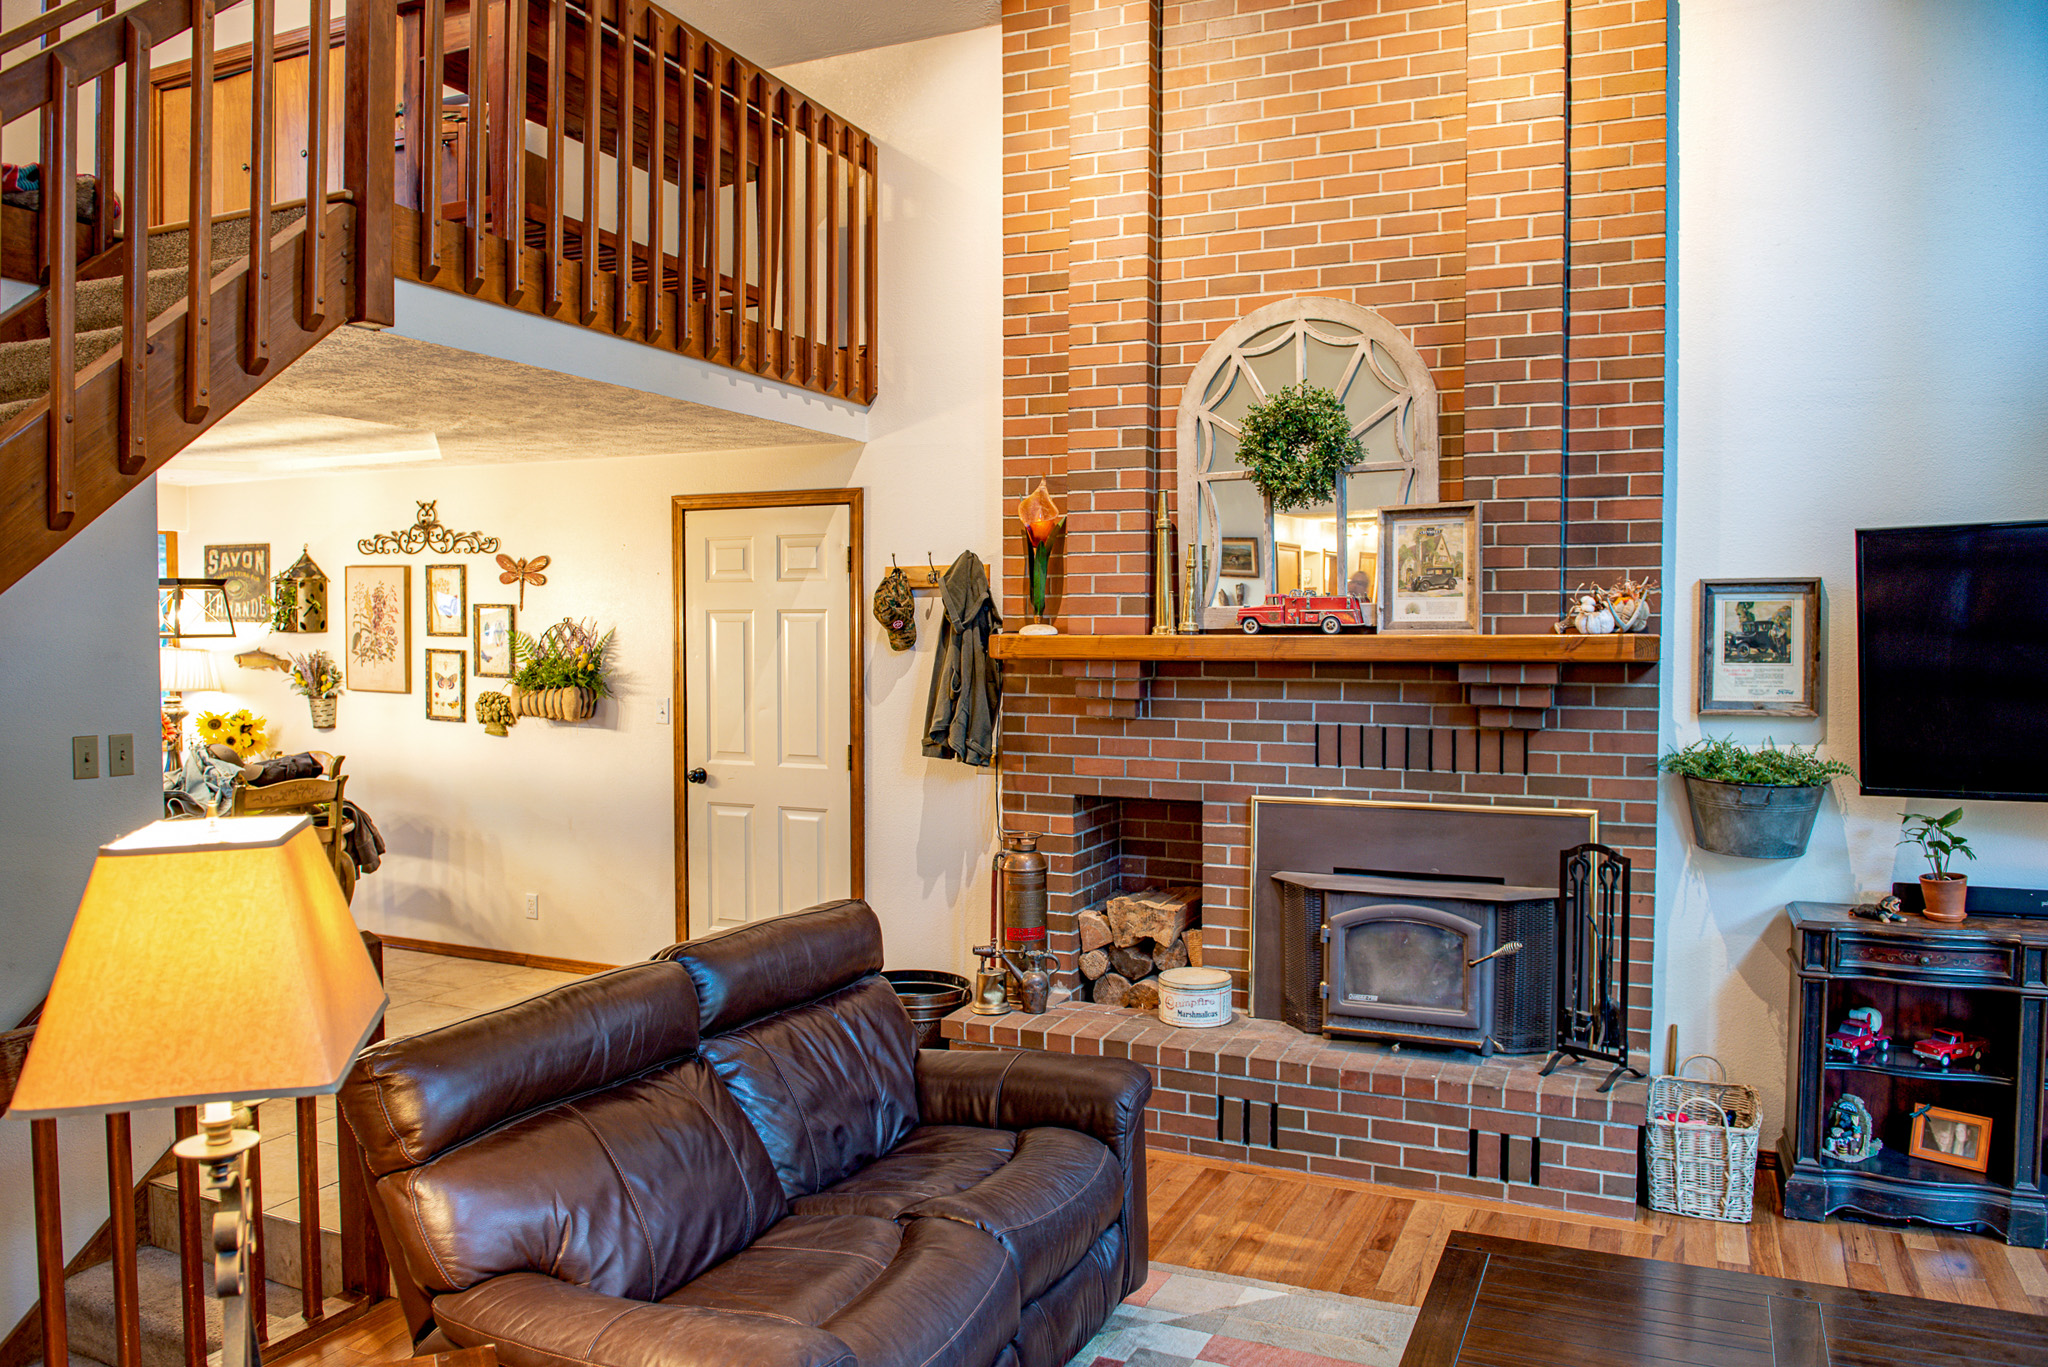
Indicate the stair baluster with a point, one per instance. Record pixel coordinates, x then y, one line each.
435 21
313 281
121 1201
49 1204
312 1294
476 201
510 202
131 444
199 212
593 146
262 117
60 172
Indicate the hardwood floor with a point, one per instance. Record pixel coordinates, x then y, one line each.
1383 1244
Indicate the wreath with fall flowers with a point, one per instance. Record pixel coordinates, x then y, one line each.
1295 446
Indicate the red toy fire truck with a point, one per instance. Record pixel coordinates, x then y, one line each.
1330 614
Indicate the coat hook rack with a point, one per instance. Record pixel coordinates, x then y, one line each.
925 580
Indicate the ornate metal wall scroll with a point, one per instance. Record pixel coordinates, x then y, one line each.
427 534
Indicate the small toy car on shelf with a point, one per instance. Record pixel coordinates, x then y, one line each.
1331 613
1860 1038
1948 1047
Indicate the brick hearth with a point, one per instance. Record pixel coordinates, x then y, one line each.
1402 1117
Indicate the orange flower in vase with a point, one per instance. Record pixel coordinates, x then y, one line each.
1041 520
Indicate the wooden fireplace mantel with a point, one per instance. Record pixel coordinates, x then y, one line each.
1347 648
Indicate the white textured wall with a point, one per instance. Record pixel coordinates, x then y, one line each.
1861 327
77 658
583 814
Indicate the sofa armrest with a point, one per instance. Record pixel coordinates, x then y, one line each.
538 1321
1022 1089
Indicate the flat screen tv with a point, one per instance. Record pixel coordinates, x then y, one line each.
1952 659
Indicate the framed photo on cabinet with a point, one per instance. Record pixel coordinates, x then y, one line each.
1759 648
377 650
1956 1138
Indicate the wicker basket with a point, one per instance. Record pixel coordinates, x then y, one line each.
1704 1165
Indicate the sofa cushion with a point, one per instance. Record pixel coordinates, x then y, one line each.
805 1268
933 1160
1056 1325
631 1191
409 1099
755 970
829 1086
1045 1206
948 1299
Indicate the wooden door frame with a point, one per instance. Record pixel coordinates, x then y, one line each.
684 504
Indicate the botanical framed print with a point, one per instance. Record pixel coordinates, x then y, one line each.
1759 648
1240 557
247 570
447 600
447 688
493 623
1429 567
1956 1138
378 650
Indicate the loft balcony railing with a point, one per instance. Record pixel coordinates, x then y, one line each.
603 163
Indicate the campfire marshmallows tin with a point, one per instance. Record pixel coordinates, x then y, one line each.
1194 997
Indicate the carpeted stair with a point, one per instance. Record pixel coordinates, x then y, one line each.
25 365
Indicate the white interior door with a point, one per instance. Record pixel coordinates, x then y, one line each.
768 727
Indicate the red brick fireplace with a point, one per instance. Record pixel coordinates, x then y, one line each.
1170 168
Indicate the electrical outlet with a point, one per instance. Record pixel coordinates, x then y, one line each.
120 756
661 714
85 757
533 906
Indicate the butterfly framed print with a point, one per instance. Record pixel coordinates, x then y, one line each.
447 685
447 600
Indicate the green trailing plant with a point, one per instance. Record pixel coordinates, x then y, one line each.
1936 836
1296 444
1721 760
569 654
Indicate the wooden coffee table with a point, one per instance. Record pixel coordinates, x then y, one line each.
1505 1301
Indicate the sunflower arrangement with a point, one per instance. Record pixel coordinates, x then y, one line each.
241 730
315 675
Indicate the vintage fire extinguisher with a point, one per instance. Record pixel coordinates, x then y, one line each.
1017 900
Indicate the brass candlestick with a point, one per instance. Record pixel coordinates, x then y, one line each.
1162 572
1190 587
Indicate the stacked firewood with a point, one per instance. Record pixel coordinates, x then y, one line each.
1131 939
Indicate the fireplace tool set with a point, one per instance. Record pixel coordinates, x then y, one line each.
1592 969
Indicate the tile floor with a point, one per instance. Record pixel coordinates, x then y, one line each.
427 991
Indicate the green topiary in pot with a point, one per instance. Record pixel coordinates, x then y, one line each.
1296 444
1755 804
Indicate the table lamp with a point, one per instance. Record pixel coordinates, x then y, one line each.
179 671
210 961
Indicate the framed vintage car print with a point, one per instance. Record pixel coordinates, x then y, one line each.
1759 648
1429 567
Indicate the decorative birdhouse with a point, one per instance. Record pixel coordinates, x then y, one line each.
304 589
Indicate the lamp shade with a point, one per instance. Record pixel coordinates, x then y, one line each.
181 670
209 960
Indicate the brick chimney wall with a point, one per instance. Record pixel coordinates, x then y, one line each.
1171 167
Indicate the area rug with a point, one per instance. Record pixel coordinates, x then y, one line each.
1184 1318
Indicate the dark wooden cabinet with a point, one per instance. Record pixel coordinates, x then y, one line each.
1988 977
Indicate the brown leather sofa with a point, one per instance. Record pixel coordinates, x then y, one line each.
735 1155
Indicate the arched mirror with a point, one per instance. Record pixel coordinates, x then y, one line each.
1390 398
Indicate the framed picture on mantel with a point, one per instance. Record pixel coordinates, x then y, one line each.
1429 567
1759 648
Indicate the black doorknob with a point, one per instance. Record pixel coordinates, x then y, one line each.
695 776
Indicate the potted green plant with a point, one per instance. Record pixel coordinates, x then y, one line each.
1755 804
561 675
1944 892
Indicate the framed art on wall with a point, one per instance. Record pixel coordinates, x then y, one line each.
1429 567
493 632
378 649
1239 558
447 600
447 689
1759 648
247 570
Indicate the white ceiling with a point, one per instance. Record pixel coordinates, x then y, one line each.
370 400
777 33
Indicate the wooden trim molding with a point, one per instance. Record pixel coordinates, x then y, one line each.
495 956
1393 647
856 642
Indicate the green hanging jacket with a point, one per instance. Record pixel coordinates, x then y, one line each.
967 690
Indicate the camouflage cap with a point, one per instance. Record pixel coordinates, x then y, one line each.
895 609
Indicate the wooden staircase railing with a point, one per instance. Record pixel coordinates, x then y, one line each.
736 219
365 1276
101 430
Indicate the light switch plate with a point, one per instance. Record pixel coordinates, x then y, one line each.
120 756
85 757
